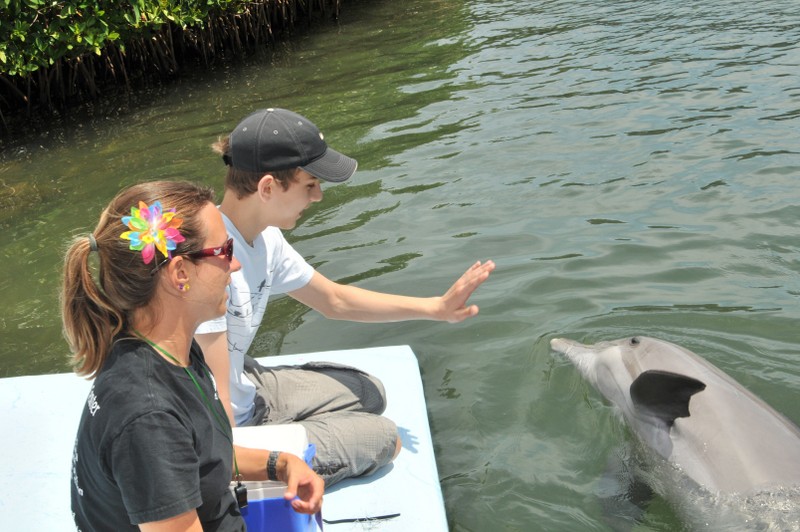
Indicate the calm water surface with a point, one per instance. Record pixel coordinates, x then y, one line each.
631 166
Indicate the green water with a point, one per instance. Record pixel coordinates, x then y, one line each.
632 167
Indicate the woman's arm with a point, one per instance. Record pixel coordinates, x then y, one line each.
301 481
185 522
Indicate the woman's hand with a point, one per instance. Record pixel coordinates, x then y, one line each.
301 482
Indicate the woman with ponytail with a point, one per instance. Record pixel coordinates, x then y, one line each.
154 448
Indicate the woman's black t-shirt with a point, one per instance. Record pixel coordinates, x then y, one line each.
148 447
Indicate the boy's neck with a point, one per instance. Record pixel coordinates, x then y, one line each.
245 213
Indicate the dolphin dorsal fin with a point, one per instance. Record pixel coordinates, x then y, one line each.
664 394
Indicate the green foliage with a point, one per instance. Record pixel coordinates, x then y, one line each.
35 34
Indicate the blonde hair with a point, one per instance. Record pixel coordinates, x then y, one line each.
94 312
245 182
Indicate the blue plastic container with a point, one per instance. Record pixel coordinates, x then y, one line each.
268 511
276 515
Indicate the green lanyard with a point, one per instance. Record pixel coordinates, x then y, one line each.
202 394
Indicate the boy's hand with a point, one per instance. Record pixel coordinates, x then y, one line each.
454 301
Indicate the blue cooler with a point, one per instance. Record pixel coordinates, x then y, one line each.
267 510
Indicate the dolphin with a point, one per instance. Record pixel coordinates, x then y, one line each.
705 425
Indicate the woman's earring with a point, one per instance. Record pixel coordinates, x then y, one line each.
183 287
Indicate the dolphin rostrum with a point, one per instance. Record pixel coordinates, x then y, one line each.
730 443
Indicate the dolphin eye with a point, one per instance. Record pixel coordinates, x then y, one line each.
635 341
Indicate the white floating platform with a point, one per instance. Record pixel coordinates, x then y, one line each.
41 413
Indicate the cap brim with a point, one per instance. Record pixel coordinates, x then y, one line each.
332 166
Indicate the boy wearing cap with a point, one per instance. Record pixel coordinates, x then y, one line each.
276 159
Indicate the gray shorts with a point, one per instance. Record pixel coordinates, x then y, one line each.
338 405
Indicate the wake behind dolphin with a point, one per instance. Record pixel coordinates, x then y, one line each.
728 442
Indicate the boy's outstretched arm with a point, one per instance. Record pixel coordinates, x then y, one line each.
344 302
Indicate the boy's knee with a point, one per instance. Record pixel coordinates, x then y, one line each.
398 447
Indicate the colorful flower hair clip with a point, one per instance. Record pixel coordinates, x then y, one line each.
152 228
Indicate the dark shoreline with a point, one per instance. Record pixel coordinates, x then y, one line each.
148 58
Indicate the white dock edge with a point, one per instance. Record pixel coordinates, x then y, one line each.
41 415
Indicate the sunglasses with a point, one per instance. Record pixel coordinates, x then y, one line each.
225 250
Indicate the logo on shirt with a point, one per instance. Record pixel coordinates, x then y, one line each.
75 469
92 403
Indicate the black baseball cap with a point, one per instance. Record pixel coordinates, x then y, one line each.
277 139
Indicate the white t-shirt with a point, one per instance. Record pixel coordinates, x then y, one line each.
269 266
